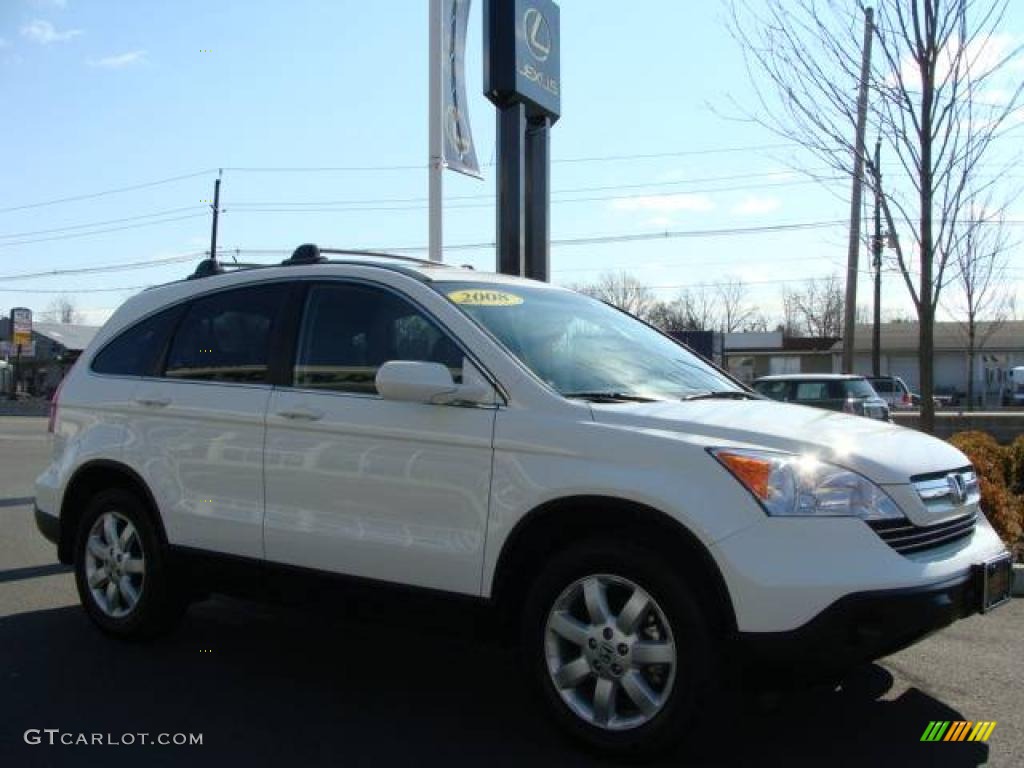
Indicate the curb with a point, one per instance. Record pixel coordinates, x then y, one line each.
1018 580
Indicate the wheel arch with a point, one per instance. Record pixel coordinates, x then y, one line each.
88 480
550 526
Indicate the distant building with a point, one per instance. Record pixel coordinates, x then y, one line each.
748 356
54 348
999 347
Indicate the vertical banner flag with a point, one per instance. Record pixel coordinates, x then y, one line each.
458 151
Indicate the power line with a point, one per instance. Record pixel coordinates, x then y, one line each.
572 190
115 191
117 267
100 231
101 223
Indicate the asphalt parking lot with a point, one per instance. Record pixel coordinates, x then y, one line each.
412 684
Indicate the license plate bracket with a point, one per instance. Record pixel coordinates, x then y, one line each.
996 582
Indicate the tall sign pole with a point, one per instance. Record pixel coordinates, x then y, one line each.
449 134
522 79
853 252
436 186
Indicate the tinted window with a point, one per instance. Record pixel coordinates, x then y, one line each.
858 388
226 336
580 346
882 385
777 390
136 351
349 331
812 390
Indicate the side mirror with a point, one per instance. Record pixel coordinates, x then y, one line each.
421 382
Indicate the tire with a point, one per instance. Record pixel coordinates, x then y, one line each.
142 601
560 638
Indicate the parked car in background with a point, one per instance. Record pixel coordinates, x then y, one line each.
894 391
833 391
947 397
1014 392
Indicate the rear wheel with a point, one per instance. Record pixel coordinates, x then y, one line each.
121 569
617 646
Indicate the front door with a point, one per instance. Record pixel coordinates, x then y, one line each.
369 487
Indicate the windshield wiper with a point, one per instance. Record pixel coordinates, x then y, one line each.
723 394
618 396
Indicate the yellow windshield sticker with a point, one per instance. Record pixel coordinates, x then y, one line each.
477 297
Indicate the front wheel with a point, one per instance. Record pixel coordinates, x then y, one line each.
617 646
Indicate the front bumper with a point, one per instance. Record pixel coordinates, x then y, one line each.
856 629
48 525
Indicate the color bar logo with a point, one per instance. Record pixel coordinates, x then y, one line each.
958 730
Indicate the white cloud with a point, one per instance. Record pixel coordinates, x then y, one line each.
44 33
755 206
662 222
118 61
663 203
980 58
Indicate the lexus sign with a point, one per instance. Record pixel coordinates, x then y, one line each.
521 60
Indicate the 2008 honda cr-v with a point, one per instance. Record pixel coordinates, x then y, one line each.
646 519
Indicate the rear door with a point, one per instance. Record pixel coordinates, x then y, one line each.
199 429
376 488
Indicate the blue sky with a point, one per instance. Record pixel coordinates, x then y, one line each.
104 95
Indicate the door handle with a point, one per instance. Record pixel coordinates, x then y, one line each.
301 414
153 402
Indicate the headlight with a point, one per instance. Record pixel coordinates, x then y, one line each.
787 484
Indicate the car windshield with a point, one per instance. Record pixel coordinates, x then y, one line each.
583 347
858 388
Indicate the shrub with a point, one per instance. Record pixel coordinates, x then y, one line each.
1000 472
1003 509
989 458
1016 454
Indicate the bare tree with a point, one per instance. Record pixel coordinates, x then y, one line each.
62 309
816 309
983 301
941 96
623 290
734 311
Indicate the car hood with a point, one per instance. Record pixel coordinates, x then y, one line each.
883 452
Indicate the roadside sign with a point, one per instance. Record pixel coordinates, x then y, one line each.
521 56
21 327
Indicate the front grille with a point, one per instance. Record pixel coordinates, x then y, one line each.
953 495
906 538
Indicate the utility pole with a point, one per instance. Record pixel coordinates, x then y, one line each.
876 249
850 307
435 139
216 213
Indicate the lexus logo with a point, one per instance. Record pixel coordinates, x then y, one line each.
957 488
538 34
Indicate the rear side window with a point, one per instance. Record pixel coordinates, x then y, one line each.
137 351
882 385
227 336
349 331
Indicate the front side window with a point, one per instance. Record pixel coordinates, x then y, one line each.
857 388
776 390
226 336
137 350
580 346
349 331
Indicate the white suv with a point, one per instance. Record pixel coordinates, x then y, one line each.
648 522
